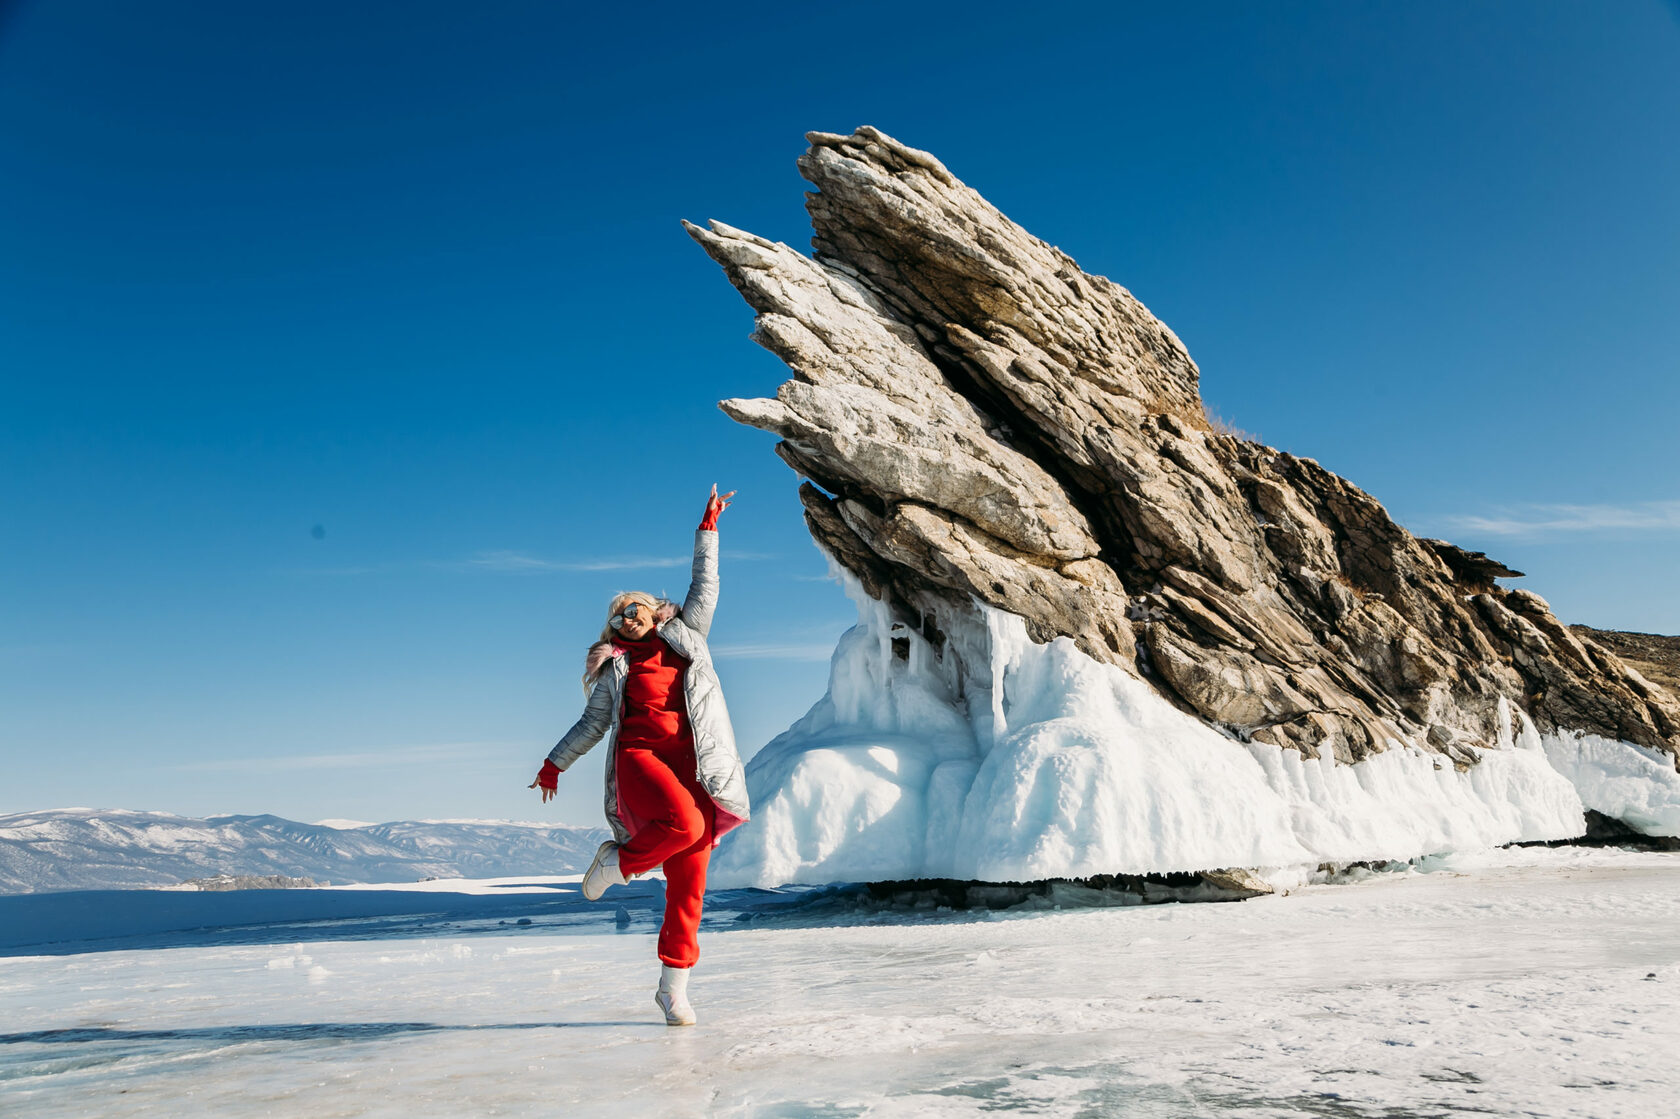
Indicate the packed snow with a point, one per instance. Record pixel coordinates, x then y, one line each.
1537 982
999 759
1637 786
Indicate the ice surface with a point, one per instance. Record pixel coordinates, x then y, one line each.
998 759
1533 982
1638 787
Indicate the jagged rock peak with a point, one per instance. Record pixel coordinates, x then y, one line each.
979 419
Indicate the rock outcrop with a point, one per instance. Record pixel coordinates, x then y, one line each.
1654 656
979 419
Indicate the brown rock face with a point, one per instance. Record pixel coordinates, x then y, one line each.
1654 656
980 420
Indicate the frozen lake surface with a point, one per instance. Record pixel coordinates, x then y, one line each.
1527 981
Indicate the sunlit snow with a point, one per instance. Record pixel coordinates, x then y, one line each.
998 759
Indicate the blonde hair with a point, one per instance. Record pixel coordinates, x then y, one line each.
595 660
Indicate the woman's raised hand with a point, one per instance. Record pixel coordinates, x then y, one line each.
714 506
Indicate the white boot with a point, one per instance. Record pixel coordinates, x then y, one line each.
603 872
672 996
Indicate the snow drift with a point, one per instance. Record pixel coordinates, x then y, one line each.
999 759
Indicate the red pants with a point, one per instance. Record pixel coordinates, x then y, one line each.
673 827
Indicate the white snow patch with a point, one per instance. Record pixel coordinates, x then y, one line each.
1631 783
998 759
1407 802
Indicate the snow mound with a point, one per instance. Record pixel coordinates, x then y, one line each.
1637 786
997 759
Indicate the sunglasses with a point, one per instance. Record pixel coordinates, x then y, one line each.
627 614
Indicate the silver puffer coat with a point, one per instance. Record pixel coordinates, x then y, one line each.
717 764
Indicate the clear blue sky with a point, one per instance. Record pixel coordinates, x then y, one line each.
351 355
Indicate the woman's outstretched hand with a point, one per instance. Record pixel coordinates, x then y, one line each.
714 506
548 780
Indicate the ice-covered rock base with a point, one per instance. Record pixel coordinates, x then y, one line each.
992 758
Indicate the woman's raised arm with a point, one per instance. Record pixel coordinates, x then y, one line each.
703 588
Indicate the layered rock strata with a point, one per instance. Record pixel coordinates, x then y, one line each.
979 419
1654 656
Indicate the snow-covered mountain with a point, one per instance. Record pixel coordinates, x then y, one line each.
82 848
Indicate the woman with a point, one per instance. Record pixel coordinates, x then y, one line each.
674 780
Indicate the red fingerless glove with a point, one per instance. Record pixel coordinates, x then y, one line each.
714 506
548 777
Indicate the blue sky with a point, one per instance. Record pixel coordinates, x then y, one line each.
351 355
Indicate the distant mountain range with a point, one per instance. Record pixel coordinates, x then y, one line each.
88 849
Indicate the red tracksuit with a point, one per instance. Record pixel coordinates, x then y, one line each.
670 817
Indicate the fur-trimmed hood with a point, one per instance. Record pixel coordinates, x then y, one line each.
603 651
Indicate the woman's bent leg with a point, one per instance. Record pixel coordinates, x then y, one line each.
672 820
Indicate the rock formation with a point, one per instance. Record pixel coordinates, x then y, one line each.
979 419
1654 656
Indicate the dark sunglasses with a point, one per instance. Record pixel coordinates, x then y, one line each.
627 614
